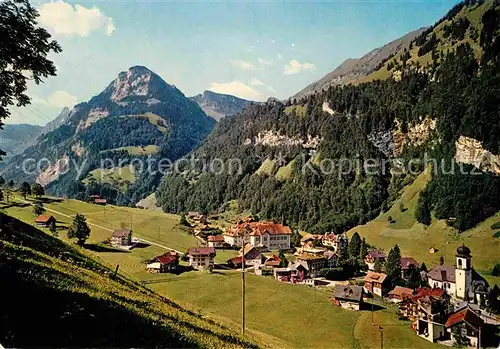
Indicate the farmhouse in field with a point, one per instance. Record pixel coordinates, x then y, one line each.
201 257
460 281
376 283
101 202
44 220
273 236
348 296
465 323
216 241
94 197
121 237
164 263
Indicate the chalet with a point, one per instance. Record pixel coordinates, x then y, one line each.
409 306
312 240
348 296
252 255
44 220
376 283
332 259
101 202
216 241
431 316
94 197
338 242
372 257
121 237
467 324
294 273
407 265
314 263
201 257
272 262
399 294
236 262
164 263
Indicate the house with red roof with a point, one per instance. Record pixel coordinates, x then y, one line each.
44 220
376 283
467 325
201 257
216 241
164 263
271 235
399 294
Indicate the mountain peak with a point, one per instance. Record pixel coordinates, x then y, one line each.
133 82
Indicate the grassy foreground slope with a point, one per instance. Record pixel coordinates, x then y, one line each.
414 239
63 298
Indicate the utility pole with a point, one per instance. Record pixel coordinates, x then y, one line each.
381 337
243 291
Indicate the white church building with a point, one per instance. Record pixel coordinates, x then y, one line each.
460 281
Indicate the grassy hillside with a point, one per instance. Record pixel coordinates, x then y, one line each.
295 316
63 298
415 239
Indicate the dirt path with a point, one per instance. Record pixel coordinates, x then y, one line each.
102 227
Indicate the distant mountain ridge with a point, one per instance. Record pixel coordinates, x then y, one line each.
219 105
137 116
14 138
353 68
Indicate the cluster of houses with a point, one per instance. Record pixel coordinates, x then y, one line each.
440 312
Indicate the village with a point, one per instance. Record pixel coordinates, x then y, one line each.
445 304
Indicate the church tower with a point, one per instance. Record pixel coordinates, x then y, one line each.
463 272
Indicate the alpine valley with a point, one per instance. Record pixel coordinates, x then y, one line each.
435 95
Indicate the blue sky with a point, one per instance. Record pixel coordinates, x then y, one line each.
250 49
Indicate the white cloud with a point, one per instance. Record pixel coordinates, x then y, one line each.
256 82
59 99
61 18
270 89
235 88
263 61
294 67
243 65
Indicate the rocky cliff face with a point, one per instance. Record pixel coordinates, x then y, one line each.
470 151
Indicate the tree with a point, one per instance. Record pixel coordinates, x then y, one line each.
37 190
423 267
2 181
423 212
354 246
363 250
393 264
25 189
53 227
79 229
414 279
10 184
283 260
38 209
496 270
377 267
183 221
1 195
24 51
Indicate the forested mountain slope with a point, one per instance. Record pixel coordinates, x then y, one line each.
353 69
137 116
70 300
448 111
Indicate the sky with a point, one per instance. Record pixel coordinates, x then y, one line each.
253 50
